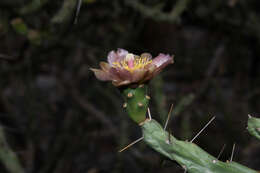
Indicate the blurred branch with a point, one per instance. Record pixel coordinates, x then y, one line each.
8 157
33 6
215 60
88 107
187 100
77 11
156 12
159 97
7 57
253 93
59 146
183 103
213 65
12 3
83 103
253 25
34 36
65 12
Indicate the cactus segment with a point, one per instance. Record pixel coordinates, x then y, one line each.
253 126
136 102
187 154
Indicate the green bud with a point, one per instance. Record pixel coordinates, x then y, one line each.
253 126
136 102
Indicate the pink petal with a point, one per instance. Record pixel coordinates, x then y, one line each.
116 56
111 57
120 74
162 66
120 83
149 75
139 75
101 75
162 59
105 66
121 52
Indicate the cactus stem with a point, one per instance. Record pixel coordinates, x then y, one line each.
136 102
195 159
129 95
124 105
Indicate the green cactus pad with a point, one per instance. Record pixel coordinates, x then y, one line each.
136 102
254 126
187 154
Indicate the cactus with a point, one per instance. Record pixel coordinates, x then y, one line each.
131 74
253 126
191 157
136 102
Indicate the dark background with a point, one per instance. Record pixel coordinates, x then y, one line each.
57 117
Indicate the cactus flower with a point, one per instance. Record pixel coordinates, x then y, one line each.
126 69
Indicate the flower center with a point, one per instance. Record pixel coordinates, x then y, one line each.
131 63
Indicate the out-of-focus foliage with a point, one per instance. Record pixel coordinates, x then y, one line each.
58 118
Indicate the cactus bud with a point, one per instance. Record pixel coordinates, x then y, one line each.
137 102
253 126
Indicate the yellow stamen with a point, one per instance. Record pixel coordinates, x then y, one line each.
138 63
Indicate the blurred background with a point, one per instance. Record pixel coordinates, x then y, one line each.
56 117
